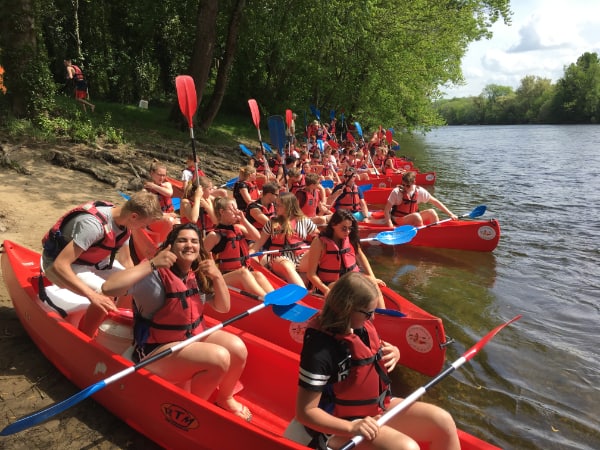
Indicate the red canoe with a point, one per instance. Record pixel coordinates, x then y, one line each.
171 416
419 335
473 235
390 181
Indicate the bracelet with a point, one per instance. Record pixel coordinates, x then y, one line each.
152 265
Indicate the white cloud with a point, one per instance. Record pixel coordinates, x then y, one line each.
545 36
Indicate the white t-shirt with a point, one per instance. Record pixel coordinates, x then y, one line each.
395 197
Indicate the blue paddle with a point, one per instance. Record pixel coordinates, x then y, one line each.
365 187
293 313
283 296
230 183
176 201
267 147
246 151
393 237
277 132
327 184
478 211
358 129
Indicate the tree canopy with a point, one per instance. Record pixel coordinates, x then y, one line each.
381 60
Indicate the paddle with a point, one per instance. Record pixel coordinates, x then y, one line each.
394 237
358 129
230 183
267 147
327 183
285 295
467 356
364 187
246 151
316 112
176 201
255 118
188 103
293 313
477 212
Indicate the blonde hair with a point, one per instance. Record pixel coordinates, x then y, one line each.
220 204
145 204
246 171
156 164
351 292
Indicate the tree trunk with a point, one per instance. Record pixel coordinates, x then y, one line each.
19 44
224 67
202 51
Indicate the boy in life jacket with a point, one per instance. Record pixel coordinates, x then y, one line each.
402 206
75 78
312 200
260 211
171 292
344 382
89 243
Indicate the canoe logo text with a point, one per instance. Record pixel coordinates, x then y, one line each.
419 339
178 416
486 233
430 177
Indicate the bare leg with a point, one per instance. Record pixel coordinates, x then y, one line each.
286 269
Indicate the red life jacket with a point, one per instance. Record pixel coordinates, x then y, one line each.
78 75
409 205
259 164
268 211
181 315
363 386
308 201
54 241
348 199
297 185
231 252
166 205
287 242
337 260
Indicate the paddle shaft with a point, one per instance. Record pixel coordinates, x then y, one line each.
477 212
412 398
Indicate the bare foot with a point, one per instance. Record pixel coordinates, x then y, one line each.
235 407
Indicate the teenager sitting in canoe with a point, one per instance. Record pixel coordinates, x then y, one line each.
346 195
183 267
158 185
245 190
312 200
335 252
402 206
344 383
261 164
80 250
260 211
197 204
228 242
287 231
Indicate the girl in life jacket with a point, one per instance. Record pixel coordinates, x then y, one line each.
344 385
289 231
159 186
197 205
228 242
245 190
335 252
171 291
346 195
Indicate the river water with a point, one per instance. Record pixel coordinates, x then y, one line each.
537 384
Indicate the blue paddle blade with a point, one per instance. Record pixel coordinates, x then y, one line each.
392 130
477 212
176 203
267 147
405 229
358 129
246 151
389 312
231 182
359 216
277 132
327 183
321 145
365 187
394 237
286 295
332 114
124 195
294 312
395 147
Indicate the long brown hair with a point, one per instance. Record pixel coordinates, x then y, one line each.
351 292
290 203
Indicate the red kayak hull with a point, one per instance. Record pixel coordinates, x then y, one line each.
390 181
471 235
171 416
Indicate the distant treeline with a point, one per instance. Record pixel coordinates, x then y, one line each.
574 98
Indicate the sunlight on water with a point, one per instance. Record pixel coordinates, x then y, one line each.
537 385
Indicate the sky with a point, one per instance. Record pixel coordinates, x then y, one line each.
543 38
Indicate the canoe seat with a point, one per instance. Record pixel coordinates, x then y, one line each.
74 305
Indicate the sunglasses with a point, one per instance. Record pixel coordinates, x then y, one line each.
368 314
